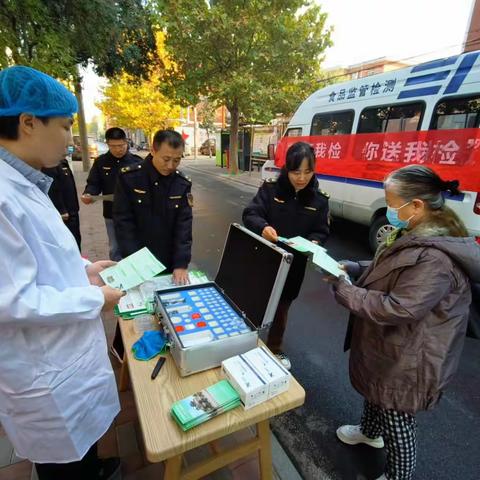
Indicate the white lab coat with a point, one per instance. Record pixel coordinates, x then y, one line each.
58 394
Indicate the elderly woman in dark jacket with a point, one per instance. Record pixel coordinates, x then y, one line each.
290 206
409 314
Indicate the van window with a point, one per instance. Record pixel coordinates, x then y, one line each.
453 113
333 123
391 118
293 132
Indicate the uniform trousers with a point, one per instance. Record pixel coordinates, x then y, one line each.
85 469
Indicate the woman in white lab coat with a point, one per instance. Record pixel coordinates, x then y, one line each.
58 393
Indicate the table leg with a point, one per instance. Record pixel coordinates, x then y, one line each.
173 468
215 447
265 450
124 376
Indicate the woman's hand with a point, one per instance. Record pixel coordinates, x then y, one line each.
270 234
94 269
111 297
353 269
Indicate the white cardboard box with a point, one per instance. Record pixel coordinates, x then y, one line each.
269 369
252 389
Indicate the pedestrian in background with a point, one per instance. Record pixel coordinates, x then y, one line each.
63 193
409 314
58 393
290 206
103 176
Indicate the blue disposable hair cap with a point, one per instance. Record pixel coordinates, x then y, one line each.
26 90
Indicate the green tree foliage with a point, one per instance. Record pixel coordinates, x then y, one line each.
258 58
206 114
57 35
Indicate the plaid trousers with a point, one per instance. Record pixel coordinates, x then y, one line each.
398 430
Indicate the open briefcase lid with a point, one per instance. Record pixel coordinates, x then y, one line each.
252 274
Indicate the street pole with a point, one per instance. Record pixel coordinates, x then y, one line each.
195 131
82 127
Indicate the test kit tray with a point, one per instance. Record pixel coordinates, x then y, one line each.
201 314
210 322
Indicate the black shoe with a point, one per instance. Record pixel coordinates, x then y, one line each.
110 469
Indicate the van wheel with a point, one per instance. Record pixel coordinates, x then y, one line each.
379 231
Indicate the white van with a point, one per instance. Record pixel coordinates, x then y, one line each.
363 129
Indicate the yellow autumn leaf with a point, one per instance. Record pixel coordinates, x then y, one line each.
141 105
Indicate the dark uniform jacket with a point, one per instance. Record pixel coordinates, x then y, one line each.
103 176
154 211
63 193
291 214
409 314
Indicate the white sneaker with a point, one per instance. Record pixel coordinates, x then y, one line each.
284 360
351 435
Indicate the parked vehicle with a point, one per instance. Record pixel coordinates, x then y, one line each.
93 148
363 129
208 147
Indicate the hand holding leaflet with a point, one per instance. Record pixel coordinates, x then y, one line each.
133 270
328 264
302 244
320 257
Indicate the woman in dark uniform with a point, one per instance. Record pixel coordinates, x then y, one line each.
289 206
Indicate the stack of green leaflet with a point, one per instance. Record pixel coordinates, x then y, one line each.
139 300
204 405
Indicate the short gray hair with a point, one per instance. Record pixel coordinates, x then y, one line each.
418 181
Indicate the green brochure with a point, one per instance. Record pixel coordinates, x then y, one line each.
328 264
133 270
320 256
204 405
302 244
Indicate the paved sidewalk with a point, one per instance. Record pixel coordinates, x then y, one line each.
207 165
124 438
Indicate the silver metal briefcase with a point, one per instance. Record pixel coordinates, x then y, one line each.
210 322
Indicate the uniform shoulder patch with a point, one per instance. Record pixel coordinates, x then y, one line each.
271 180
185 177
130 168
324 193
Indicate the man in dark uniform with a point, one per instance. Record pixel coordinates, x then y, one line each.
153 206
63 193
102 178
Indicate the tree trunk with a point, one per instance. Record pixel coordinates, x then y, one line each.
195 132
82 127
234 121
208 143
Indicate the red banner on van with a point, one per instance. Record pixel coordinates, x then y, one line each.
453 154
